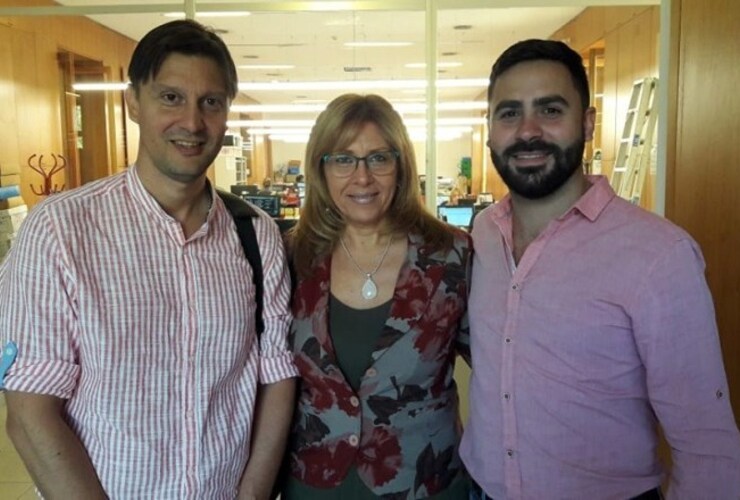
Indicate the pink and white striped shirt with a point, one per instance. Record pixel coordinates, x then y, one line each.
148 335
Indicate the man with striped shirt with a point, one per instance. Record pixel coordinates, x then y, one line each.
139 372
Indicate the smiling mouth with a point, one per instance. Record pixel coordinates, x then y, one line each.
530 158
187 144
363 198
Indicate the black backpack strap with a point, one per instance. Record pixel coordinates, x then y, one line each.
243 214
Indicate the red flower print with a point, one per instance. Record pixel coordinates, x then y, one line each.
434 339
380 458
318 464
411 296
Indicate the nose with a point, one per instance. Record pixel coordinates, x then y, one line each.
192 119
529 128
362 172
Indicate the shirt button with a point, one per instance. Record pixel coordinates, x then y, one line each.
353 440
507 396
515 286
371 372
354 401
507 340
510 453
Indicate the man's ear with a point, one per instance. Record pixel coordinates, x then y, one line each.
132 103
589 121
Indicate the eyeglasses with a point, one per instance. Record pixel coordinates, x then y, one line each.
344 164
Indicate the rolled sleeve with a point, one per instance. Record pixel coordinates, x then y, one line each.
676 333
39 318
52 378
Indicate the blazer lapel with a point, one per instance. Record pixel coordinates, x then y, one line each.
314 308
418 280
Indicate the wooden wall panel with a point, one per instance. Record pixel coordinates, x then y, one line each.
630 38
8 140
704 180
593 23
35 99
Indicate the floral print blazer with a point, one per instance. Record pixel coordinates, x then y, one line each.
402 430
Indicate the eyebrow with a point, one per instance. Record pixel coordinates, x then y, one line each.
551 99
538 102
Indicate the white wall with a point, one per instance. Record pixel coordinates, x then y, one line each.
449 154
282 152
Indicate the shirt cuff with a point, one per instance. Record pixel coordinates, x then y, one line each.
51 378
277 368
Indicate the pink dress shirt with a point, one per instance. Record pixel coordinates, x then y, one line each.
148 336
605 327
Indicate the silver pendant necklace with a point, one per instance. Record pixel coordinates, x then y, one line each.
369 288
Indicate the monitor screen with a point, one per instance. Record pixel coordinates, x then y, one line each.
268 203
459 216
243 190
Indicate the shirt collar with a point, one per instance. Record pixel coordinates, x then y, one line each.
152 206
590 205
595 199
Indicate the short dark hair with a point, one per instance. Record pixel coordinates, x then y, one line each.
543 50
183 37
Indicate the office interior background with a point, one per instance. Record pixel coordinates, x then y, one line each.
294 56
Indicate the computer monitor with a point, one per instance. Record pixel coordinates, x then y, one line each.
456 215
268 203
243 190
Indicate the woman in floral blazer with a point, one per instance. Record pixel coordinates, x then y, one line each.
379 317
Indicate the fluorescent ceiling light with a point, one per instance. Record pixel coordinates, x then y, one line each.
439 65
270 123
420 122
363 84
181 15
266 66
299 139
280 131
401 107
82 87
403 85
421 107
329 6
377 44
410 122
441 135
277 108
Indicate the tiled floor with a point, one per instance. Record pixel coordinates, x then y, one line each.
15 484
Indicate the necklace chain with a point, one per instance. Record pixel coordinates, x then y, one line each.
369 289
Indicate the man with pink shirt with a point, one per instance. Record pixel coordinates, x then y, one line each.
591 321
139 370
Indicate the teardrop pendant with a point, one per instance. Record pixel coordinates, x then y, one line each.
369 290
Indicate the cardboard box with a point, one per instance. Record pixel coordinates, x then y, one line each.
15 201
5 247
11 219
5 242
10 180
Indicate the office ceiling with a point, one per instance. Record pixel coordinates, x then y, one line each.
312 42
307 38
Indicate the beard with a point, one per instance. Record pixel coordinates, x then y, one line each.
537 182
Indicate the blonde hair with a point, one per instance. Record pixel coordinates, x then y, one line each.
321 223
